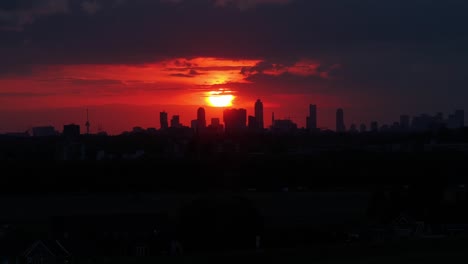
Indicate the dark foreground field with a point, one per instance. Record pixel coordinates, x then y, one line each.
444 250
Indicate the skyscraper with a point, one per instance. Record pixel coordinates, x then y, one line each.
374 126
163 120
362 128
87 122
460 117
404 122
311 121
252 123
340 126
235 120
201 119
272 118
259 114
175 121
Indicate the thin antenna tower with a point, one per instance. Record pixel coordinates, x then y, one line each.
87 122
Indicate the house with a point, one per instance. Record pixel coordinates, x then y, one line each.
46 252
403 226
37 252
114 234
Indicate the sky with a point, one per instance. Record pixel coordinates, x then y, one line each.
128 60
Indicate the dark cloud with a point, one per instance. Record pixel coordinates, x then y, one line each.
93 82
191 73
391 47
181 75
194 72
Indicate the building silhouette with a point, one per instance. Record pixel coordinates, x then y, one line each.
43 131
311 120
71 131
215 122
87 124
175 121
163 120
340 125
194 125
374 126
460 117
353 128
272 118
252 122
404 122
235 120
362 128
215 125
283 126
259 114
201 119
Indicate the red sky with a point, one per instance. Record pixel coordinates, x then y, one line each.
178 86
127 60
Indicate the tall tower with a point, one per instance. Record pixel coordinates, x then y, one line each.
272 118
340 126
259 114
201 118
87 122
163 120
312 118
460 117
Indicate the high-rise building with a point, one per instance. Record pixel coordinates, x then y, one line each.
194 125
259 114
311 121
404 122
340 126
175 121
235 120
87 124
362 128
272 119
374 126
201 118
460 117
163 120
252 122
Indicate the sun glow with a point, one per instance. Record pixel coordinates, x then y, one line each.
220 98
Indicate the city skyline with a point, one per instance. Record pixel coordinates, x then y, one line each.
123 61
236 120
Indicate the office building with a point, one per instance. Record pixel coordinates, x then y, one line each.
259 114
235 120
340 125
201 118
175 121
311 121
163 120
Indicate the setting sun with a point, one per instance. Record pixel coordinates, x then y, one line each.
220 98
